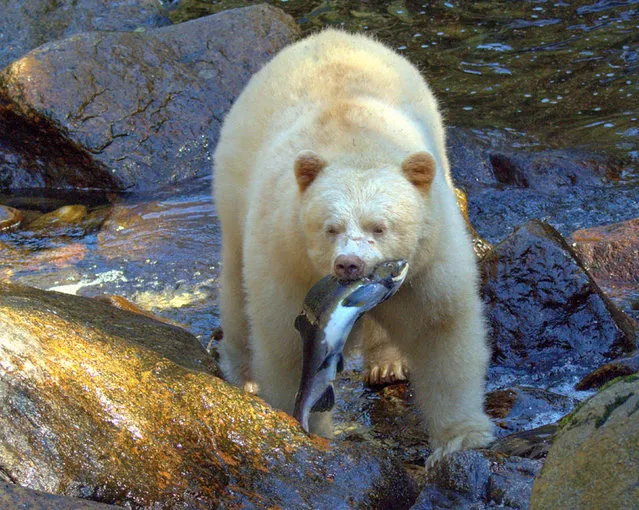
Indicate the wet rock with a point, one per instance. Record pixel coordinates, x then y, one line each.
611 254
546 317
14 496
385 417
550 169
9 217
468 155
478 480
594 460
619 368
532 444
112 406
26 25
142 107
520 408
505 189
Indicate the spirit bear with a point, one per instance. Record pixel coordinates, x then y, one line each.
333 159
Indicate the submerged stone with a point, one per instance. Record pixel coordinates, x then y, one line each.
9 217
68 215
521 408
112 406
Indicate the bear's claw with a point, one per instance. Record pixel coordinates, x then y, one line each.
390 373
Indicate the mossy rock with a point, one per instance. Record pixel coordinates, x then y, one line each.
594 460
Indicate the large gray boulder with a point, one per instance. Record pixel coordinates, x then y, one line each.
27 25
130 110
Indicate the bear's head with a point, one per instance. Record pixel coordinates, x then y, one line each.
354 218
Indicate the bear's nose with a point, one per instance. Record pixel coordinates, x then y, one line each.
349 267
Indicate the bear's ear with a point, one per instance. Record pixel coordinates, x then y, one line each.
419 169
307 165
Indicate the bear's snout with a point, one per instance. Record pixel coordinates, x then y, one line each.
349 267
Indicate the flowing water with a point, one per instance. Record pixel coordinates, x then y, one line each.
548 74
554 74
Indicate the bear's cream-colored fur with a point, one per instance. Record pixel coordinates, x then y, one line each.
333 159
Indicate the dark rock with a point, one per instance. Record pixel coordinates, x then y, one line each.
497 210
143 108
14 496
521 408
465 472
480 157
26 25
549 169
606 373
434 498
115 407
478 480
511 482
34 153
505 189
469 162
594 460
546 316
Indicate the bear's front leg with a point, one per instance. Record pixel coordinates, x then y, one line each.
235 357
448 364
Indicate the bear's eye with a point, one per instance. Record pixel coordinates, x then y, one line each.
332 230
378 230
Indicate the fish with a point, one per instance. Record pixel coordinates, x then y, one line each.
329 312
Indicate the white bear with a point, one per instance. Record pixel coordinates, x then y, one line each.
333 159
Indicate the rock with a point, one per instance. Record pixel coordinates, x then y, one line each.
532 444
521 408
14 496
24 26
9 217
611 254
547 318
505 189
594 460
549 169
478 480
468 155
619 368
112 406
142 109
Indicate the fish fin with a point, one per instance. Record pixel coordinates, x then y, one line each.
325 402
362 296
340 364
